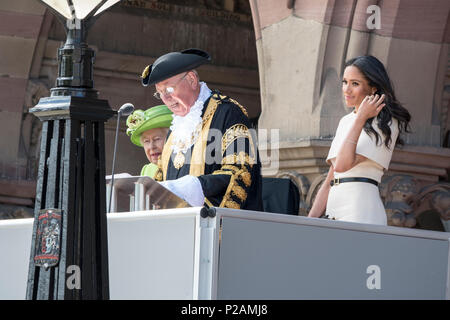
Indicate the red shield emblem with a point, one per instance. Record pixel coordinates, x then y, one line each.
48 238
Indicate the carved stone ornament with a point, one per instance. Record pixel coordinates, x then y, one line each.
407 198
398 193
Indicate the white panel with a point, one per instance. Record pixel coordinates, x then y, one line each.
151 257
15 245
151 254
267 256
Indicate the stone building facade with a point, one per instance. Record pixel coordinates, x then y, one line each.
276 57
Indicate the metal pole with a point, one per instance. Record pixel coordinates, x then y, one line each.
114 162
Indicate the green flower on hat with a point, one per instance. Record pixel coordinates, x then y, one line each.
134 120
140 121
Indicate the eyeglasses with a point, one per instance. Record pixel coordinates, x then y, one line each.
168 91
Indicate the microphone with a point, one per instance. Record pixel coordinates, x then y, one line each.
125 110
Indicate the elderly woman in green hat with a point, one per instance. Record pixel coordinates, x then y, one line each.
148 129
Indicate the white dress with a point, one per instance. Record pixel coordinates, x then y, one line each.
360 201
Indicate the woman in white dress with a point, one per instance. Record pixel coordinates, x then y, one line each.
362 148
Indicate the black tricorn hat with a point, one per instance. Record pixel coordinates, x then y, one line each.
173 63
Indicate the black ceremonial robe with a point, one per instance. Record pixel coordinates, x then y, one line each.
224 158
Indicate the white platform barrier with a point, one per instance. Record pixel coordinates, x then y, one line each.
177 254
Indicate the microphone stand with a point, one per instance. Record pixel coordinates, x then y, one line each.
126 109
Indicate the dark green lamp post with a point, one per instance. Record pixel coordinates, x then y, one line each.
69 251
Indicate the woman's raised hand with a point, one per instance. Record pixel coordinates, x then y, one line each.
371 106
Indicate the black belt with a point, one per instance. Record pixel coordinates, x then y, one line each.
337 181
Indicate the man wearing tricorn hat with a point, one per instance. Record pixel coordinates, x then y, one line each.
209 156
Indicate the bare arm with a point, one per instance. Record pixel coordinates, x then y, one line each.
320 202
347 157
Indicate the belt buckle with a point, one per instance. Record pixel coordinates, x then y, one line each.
336 181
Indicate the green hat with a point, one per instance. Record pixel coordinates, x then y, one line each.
140 121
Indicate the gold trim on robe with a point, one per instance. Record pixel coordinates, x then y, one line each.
235 165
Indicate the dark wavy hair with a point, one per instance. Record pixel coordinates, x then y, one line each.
376 75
